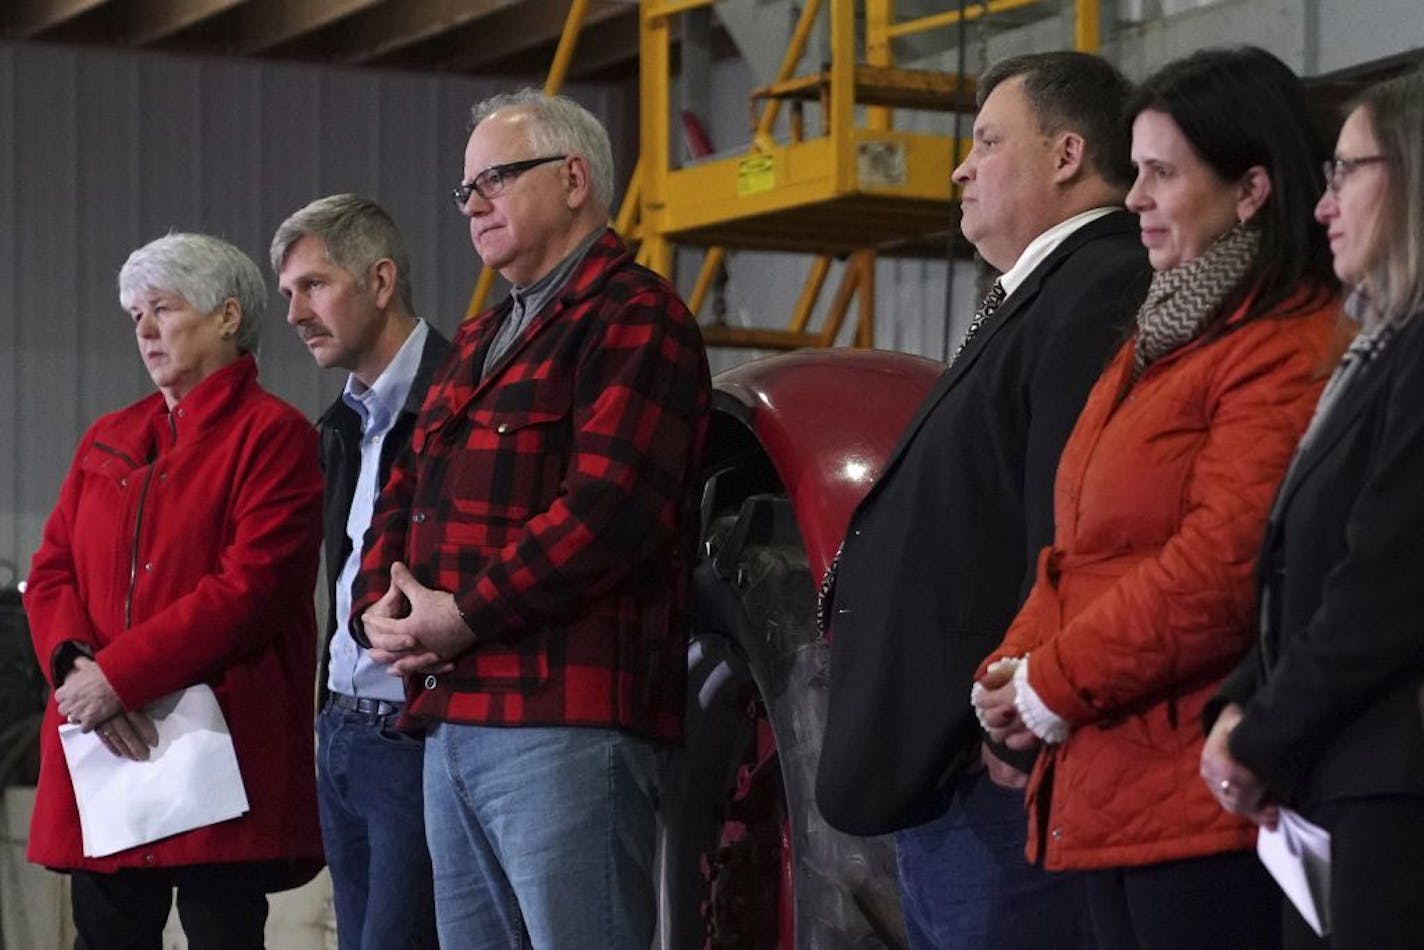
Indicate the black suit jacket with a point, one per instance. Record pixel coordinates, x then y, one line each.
340 429
940 553
1331 689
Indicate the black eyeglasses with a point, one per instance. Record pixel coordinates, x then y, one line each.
1338 169
493 180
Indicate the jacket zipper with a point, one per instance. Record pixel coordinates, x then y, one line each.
138 528
133 555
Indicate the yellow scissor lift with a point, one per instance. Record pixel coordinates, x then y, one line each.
854 191
851 192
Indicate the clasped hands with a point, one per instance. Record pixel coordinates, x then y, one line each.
998 714
1235 787
995 705
415 629
87 700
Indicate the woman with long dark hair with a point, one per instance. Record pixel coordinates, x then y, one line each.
1143 603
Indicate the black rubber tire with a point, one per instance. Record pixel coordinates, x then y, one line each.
756 643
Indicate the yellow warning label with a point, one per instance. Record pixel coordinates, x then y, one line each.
756 174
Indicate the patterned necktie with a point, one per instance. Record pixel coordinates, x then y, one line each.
992 299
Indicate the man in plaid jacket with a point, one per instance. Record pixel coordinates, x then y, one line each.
528 564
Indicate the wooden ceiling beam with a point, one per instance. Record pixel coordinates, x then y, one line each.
607 44
603 48
392 27
264 24
151 21
515 30
458 35
31 17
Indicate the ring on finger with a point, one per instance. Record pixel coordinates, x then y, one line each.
1226 785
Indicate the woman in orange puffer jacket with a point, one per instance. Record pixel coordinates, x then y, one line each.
1144 602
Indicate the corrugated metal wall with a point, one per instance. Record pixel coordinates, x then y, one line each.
101 151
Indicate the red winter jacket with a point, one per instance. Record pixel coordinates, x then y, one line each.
555 499
1145 601
183 550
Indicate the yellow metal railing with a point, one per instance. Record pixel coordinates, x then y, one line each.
857 279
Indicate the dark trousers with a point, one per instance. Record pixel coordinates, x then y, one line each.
966 885
369 789
1376 876
1223 900
221 907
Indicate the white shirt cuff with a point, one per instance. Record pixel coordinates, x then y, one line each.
1034 713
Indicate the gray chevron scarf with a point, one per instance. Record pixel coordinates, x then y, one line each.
1180 301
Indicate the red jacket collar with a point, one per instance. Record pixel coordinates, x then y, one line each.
130 430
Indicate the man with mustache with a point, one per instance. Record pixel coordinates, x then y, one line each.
343 267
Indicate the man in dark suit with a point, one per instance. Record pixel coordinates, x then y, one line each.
940 552
343 267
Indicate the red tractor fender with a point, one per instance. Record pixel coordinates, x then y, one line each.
827 420
795 441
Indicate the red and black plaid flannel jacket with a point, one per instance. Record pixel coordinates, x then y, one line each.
555 499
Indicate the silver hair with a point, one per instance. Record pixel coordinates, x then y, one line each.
561 127
1394 281
357 233
205 271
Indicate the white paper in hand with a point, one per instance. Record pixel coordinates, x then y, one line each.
1297 854
190 779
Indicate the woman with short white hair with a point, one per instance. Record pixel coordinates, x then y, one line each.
183 551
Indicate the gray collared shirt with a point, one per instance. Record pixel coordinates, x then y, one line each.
528 301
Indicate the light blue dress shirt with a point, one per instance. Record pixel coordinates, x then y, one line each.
352 671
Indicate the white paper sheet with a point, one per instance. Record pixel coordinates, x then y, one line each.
190 779
1297 854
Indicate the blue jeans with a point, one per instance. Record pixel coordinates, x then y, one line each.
373 829
965 883
542 836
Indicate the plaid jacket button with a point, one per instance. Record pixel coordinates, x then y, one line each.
418 517
502 428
